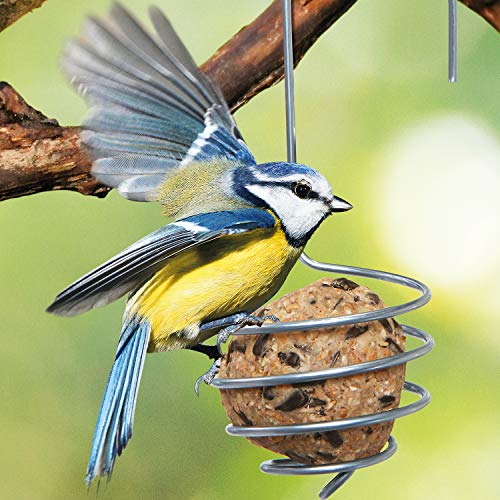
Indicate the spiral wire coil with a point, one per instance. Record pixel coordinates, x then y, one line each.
343 470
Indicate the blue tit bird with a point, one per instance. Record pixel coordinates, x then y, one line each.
159 130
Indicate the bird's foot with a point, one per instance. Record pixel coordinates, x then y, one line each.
249 320
208 376
222 338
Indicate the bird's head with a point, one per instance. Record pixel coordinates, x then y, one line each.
298 195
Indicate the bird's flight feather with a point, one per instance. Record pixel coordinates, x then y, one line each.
151 107
127 270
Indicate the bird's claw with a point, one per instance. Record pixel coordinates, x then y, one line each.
250 320
208 376
270 317
222 338
224 334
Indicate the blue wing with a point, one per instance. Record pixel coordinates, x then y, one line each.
151 108
136 264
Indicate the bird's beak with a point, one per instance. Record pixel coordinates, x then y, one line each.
339 205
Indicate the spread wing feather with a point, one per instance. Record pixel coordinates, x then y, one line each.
135 265
151 109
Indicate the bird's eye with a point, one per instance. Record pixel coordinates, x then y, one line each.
302 189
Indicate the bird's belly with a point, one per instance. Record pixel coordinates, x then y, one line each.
236 274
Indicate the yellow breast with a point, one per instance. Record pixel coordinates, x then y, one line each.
237 273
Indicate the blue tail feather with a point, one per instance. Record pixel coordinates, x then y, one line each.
116 416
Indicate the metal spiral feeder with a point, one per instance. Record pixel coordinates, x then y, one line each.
343 470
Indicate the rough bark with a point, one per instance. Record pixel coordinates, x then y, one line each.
36 154
12 10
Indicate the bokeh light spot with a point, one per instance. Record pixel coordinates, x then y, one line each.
440 199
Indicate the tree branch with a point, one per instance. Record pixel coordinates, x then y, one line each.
36 154
12 10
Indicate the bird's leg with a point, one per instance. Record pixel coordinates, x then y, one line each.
208 376
209 350
245 320
234 323
223 322
213 352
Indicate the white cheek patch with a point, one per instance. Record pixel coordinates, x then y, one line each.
297 216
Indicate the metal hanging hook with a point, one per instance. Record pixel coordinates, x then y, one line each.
291 140
452 41
291 143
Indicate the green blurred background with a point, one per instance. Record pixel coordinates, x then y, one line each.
419 158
